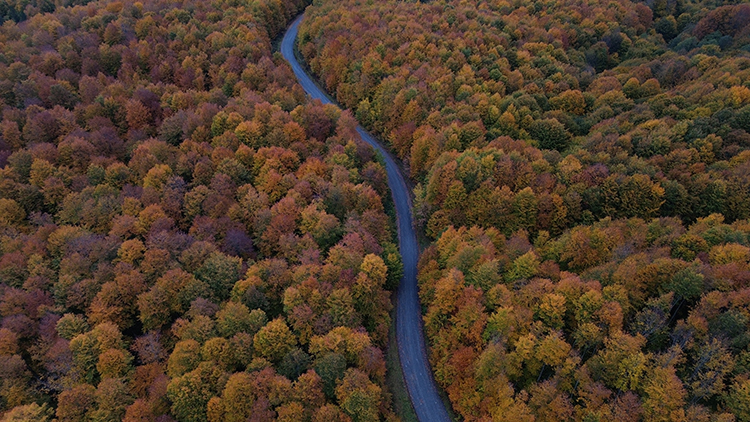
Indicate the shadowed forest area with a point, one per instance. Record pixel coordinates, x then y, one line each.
581 172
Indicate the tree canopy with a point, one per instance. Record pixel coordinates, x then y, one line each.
183 236
580 174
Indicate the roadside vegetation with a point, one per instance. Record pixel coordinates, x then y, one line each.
581 169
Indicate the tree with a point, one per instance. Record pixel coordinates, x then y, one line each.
358 396
290 412
220 272
621 364
112 34
274 340
11 214
330 413
551 310
738 400
114 363
184 358
368 289
570 101
112 397
237 399
75 403
550 404
331 368
713 364
294 364
8 342
71 325
137 114
687 284
191 392
85 349
525 266
551 134
29 413
634 196
664 396
341 308
236 318
308 390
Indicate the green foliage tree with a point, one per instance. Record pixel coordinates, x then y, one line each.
274 340
550 134
191 392
358 396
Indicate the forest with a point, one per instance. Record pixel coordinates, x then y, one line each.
581 178
183 236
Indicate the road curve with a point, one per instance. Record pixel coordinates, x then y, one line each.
409 335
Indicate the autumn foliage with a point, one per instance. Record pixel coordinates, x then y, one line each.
182 235
581 170
549 114
620 320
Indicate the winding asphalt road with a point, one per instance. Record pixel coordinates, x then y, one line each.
409 335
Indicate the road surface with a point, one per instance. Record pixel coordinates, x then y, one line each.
409 335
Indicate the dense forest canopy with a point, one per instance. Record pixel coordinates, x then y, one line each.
581 169
183 237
